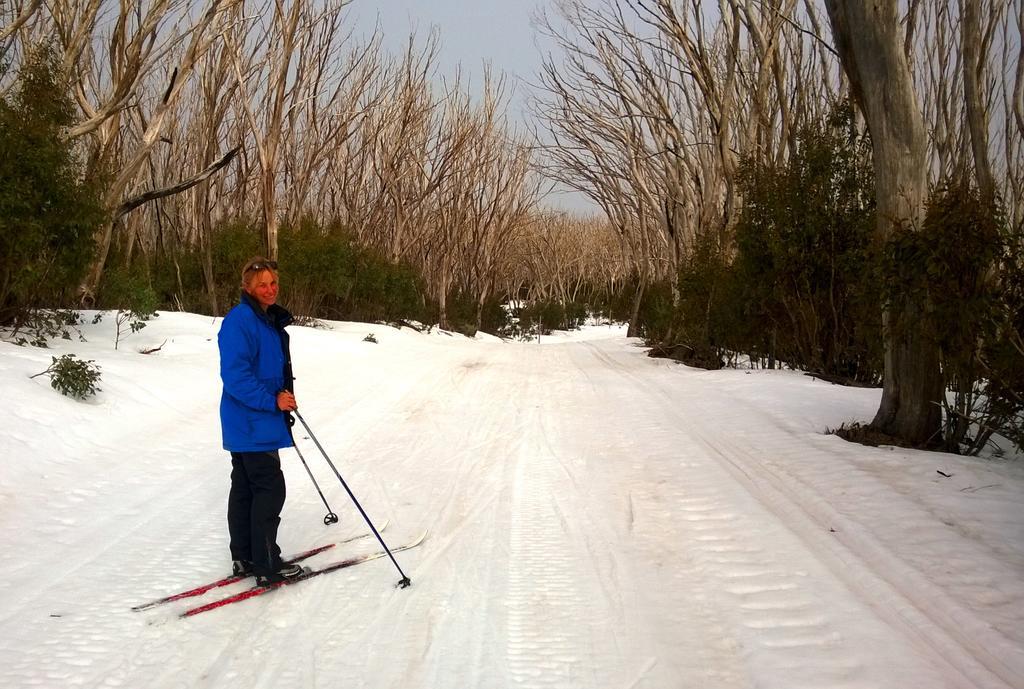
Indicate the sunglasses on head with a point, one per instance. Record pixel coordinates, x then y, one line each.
261 265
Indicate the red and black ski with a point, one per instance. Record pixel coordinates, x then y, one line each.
228 580
260 590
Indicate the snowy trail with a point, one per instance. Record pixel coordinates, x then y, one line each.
836 509
597 519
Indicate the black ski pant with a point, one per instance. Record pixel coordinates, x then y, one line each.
254 509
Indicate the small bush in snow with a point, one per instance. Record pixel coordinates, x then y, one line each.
73 377
142 302
36 327
135 321
130 292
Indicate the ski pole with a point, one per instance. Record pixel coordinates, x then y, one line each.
404 581
330 517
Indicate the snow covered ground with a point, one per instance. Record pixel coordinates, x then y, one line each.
597 519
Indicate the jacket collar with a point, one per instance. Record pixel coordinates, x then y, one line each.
275 316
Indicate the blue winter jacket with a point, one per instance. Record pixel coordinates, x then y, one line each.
254 366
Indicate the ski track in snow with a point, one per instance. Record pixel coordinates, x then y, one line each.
597 520
969 650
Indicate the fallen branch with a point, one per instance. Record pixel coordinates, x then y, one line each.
184 185
154 349
972 489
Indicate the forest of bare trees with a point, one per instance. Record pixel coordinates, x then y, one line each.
275 116
277 113
651 106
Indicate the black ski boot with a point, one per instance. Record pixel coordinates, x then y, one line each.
283 573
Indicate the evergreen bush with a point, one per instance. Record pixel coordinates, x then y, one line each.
710 319
462 313
72 376
177 279
965 263
796 282
386 291
494 317
803 261
233 243
47 212
318 269
128 291
36 327
545 315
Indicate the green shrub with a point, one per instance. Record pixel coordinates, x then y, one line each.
796 281
233 243
128 291
657 312
317 270
494 317
72 377
177 279
803 259
576 314
47 213
547 315
386 291
463 310
328 274
965 263
36 327
709 319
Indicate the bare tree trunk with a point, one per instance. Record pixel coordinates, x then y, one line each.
633 330
870 44
975 48
115 190
269 70
442 299
20 19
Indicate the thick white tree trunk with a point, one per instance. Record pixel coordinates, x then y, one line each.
869 38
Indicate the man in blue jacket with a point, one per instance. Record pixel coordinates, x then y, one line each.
255 367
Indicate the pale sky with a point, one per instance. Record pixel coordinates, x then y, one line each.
471 32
